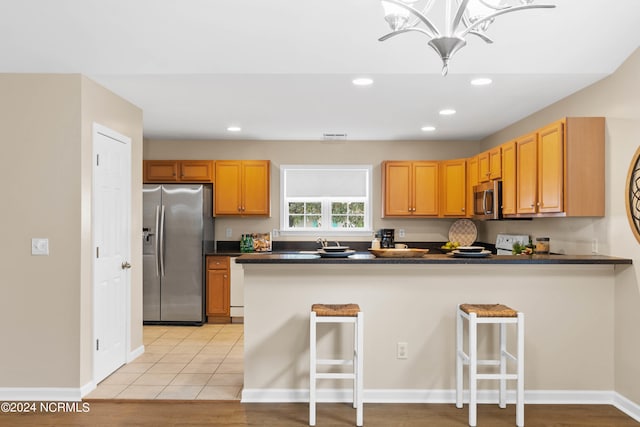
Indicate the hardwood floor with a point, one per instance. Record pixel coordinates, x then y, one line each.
235 414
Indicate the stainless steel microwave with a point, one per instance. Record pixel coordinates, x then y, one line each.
487 200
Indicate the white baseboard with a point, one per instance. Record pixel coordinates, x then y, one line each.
625 405
531 397
133 354
58 394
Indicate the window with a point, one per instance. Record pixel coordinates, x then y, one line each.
334 198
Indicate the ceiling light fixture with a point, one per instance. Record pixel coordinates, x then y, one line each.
234 128
481 81
447 112
362 81
462 17
427 128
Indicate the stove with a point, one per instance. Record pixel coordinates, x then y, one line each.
504 242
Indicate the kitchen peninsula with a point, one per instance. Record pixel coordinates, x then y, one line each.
568 302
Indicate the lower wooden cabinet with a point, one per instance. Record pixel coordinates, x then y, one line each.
218 289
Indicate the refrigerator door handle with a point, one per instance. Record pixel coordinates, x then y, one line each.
157 237
161 241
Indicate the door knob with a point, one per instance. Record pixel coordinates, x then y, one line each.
126 265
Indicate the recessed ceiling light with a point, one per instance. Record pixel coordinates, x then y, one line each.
234 128
362 81
427 128
482 81
447 112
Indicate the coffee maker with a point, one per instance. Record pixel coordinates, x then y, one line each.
386 236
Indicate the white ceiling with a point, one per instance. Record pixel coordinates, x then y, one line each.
282 69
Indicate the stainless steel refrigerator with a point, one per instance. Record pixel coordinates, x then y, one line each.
177 226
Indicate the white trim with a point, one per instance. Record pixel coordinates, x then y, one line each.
532 397
60 394
625 405
134 354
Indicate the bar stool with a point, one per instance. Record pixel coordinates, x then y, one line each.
337 313
492 314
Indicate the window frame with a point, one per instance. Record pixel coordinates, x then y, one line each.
325 201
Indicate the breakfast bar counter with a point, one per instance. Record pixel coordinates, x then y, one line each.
366 258
568 302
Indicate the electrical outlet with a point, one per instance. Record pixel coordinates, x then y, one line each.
401 232
229 232
274 232
594 246
402 350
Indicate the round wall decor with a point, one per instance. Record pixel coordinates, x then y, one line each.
632 195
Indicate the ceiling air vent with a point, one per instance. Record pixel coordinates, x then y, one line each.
334 137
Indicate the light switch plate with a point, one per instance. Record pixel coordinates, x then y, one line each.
39 246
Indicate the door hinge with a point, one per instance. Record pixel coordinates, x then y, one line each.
97 345
97 159
97 252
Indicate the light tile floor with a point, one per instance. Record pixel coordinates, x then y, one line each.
181 362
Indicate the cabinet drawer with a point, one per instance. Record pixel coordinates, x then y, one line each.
217 262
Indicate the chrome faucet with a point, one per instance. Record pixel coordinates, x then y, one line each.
323 242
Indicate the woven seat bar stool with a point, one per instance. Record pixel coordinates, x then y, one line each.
337 313
502 315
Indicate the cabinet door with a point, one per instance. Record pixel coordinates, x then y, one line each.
453 188
551 169
255 188
160 170
228 197
509 178
196 170
495 163
527 171
397 188
484 170
472 180
218 293
425 185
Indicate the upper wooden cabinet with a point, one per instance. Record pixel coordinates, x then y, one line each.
178 170
242 187
410 189
560 169
472 180
509 180
453 187
490 165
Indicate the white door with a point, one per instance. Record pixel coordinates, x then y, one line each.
111 238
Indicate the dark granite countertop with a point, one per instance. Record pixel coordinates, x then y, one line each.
303 252
366 258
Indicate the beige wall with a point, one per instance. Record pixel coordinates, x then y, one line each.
618 99
316 152
46 146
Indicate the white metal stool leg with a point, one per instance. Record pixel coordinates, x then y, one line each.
477 314
312 370
520 380
473 369
459 360
359 369
356 360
